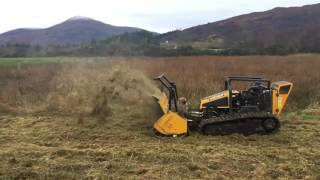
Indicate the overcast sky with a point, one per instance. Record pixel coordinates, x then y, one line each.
154 15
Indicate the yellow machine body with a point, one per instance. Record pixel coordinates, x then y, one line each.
280 93
171 123
223 97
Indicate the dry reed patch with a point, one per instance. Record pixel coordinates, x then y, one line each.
197 77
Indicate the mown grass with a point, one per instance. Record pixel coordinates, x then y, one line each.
54 147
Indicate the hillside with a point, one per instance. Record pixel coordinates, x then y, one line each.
278 31
75 30
296 28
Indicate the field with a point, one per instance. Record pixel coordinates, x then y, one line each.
91 118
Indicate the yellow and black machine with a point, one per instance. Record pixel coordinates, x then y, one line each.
253 110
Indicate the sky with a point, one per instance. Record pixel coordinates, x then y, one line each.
154 15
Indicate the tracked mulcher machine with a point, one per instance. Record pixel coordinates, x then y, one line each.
253 110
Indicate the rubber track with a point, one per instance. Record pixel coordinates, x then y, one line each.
236 117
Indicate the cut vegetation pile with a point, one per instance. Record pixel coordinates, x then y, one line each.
103 92
86 89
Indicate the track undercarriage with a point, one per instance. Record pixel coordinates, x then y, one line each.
243 123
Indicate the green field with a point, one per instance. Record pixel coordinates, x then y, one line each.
42 60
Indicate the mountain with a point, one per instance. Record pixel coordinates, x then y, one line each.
277 31
295 28
75 30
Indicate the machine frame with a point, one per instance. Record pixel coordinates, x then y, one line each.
172 90
228 87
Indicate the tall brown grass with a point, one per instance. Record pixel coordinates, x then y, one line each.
196 77
24 86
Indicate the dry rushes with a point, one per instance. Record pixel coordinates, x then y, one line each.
75 85
197 77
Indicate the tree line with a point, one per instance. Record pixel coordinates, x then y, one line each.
145 43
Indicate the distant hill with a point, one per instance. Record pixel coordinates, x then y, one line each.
295 28
278 31
75 30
